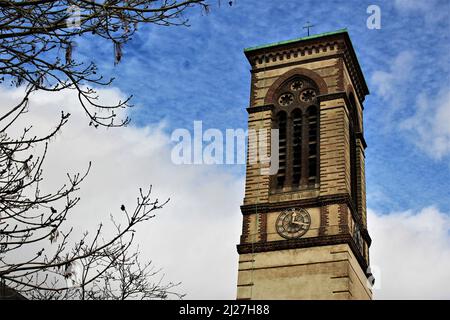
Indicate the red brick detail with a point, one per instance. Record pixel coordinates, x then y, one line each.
324 222
245 228
343 218
262 228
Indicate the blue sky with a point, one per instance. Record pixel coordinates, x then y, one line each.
178 75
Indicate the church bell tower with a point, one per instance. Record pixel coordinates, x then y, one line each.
304 233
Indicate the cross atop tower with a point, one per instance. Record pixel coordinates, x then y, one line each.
308 26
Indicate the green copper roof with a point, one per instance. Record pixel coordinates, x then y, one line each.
296 40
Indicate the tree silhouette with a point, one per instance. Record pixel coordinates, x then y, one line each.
36 54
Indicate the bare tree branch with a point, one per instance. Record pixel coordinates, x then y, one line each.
36 53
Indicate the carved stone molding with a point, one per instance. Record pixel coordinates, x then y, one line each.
266 107
270 96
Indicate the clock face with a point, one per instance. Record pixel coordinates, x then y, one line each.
293 223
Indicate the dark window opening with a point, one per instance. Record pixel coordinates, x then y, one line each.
282 126
296 147
312 145
296 118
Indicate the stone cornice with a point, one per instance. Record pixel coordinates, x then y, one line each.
255 109
360 136
295 63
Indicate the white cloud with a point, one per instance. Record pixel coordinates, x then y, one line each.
192 239
389 83
412 253
429 127
432 10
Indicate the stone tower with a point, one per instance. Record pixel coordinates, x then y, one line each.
304 232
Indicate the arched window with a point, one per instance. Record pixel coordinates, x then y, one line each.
312 145
296 147
296 117
282 152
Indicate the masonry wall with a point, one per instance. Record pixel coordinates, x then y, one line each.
329 272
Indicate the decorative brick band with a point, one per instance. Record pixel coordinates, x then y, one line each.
245 228
324 220
343 198
264 56
343 218
308 202
293 63
262 227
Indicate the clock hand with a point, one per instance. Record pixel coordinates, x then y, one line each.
293 221
300 223
294 215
